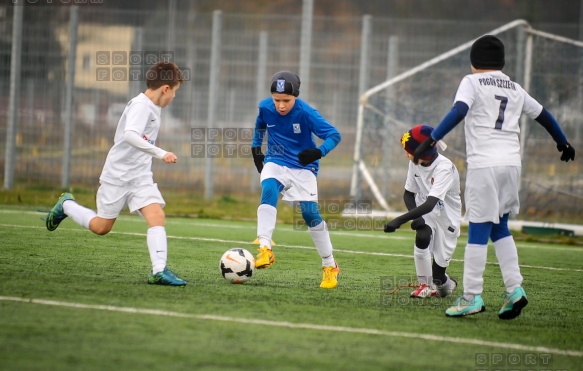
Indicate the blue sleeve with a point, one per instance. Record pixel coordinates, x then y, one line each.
325 131
259 133
548 122
454 117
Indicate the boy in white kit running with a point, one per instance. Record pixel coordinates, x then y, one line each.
127 179
290 167
432 196
492 104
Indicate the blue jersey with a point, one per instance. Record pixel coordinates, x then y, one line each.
292 133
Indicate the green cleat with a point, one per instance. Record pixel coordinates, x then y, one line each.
463 307
166 278
57 215
513 304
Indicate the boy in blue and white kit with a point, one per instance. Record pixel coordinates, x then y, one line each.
492 104
290 167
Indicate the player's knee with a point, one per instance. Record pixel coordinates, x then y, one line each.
100 229
500 230
423 237
270 189
310 213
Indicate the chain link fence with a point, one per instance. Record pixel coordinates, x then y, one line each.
112 45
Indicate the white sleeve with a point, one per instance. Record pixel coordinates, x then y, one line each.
133 139
531 107
410 183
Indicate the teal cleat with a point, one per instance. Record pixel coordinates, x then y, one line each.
57 215
513 304
166 278
463 307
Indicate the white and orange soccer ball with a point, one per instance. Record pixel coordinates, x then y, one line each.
237 265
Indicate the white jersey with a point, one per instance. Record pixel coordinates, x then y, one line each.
126 163
441 180
491 124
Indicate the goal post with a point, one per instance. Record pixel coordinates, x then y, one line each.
547 66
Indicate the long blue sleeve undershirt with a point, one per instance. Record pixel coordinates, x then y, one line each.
454 117
460 110
552 126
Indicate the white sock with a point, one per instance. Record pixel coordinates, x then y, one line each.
80 214
474 265
422 259
321 239
508 259
158 248
266 218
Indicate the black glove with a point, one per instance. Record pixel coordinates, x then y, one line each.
424 146
568 152
258 158
417 223
307 156
393 225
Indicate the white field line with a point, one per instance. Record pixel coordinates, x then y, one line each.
235 242
304 326
360 234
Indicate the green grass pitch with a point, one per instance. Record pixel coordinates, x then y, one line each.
71 300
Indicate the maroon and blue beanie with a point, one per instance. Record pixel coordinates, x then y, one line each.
487 53
285 82
414 137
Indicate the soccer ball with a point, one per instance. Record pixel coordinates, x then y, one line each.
237 265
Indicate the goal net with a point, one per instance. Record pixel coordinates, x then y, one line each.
549 67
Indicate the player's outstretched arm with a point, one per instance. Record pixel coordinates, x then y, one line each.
416 213
409 199
552 127
453 117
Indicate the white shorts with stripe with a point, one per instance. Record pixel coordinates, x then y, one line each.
299 184
111 199
491 192
443 239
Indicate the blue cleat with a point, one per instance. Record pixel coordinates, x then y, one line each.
463 307
513 304
166 278
57 215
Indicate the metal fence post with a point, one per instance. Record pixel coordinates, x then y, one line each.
13 99
306 46
69 88
215 67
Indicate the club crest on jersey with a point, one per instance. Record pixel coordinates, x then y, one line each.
297 129
148 140
280 87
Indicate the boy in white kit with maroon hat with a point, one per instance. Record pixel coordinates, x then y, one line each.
432 196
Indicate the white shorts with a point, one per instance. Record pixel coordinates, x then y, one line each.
443 240
492 192
111 199
299 184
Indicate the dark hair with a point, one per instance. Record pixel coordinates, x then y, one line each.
163 73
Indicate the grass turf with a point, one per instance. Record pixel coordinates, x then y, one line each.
359 325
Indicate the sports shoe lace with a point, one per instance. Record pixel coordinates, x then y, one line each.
328 273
